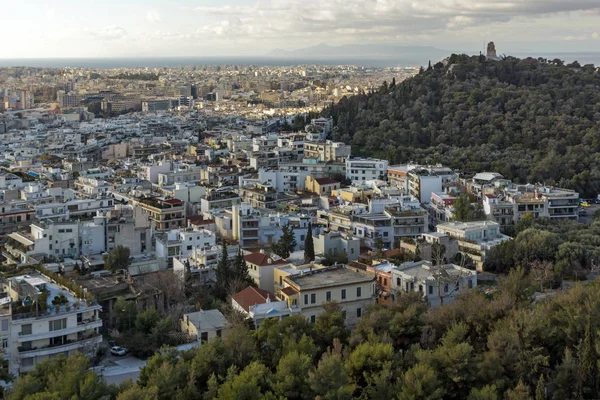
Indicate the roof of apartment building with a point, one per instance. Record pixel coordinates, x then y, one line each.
337 275
262 259
251 296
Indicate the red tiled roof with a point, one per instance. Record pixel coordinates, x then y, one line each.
326 181
251 296
261 259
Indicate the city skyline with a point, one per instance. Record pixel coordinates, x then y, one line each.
255 28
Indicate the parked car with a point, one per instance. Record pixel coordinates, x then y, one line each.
118 351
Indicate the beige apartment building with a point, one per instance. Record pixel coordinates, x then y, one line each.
352 288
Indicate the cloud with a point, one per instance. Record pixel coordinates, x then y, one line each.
153 16
374 19
110 32
595 35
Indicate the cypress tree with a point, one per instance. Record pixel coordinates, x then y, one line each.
222 273
240 269
588 364
309 246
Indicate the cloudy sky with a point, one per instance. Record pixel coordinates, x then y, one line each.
129 28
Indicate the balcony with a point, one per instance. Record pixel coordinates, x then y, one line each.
54 349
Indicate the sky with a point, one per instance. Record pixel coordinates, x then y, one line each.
161 28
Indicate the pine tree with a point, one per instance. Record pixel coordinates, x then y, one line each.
309 246
286 245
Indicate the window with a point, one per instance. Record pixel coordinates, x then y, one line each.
384 281
343 294
305 299
26 329
313 319
358 312
57 324
430 289
358 291
457 285
398 281
313 298
280 280
26 346
421 288
446 288
69 230
27 362
328 296
50 246
189 247
4 343
344 314
412 286
470 284
219 333
4 325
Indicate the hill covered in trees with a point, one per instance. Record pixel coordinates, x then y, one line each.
531 120
484 346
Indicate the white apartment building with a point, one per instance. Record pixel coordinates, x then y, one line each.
365 169
32 332
58 240
475 238
335 243
438 284
181 243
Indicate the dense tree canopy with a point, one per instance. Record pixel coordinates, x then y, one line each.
530 120
482 346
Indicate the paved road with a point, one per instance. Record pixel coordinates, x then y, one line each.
118 379
116 369
586 219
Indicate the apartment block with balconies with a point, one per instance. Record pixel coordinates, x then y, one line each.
45 319
164 213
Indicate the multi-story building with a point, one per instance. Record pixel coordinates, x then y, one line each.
159 105
219 200
261 267
57 240
321 186
335 243
497 210
407 220
327 151
164 213
440 208
259 196
365 169
315 168
438 284
353 289
475 238
14 216
41 319
181 243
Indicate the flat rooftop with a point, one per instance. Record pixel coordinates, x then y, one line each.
332 276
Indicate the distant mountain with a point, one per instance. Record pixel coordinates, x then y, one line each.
404 54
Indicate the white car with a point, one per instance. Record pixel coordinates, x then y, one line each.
118 351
